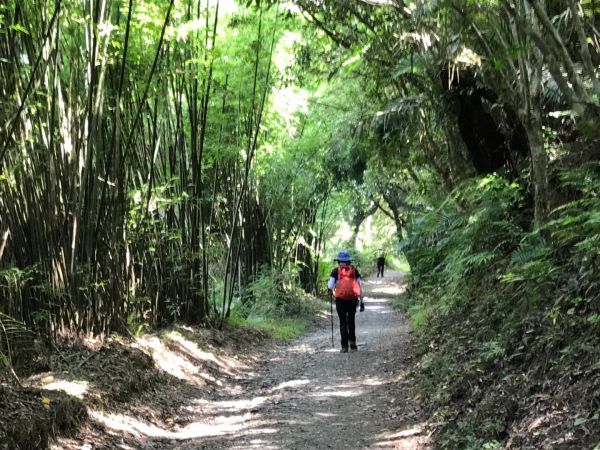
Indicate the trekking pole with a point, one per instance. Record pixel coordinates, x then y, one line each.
331 304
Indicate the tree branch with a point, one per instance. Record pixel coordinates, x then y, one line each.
583 46
3 243
566 58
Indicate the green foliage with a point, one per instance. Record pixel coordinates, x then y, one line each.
484 290
189 150
363 261
447 244
325 268
417 314
15 278
16 345
491 351
467 442
136 325
276 303
287 328
400 263
276 295
417 310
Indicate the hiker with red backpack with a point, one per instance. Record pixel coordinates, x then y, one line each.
347 289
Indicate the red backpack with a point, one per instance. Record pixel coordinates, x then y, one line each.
347 287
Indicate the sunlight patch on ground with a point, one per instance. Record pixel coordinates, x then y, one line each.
324 314
228 426
322 414
543 419
346 393
258 444
221 425
389 290
380 282
418 429
119 422
410 438
208 377
166 359
401 375
196 352
332 350
377 308
291 384
231 405
376 301
75 388
374 381
183 365
302 348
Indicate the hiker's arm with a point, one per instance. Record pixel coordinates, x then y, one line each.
361 299
331 283
333 276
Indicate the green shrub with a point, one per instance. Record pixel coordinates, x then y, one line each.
487 293
289 328
274 302
277 295
325 268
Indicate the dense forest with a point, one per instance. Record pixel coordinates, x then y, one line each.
202 161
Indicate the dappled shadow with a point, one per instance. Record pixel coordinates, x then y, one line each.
377 305
307 395
382 290
136 388
30 417
300 395
288 413
111 375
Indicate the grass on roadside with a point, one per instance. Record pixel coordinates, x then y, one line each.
288 328
417 312
399 263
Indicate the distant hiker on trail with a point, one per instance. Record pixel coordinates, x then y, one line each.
348 291
380 261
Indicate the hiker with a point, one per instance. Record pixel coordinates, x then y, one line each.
348 291
380 261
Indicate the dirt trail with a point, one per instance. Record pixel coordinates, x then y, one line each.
306 395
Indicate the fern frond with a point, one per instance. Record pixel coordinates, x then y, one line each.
15 338
530 248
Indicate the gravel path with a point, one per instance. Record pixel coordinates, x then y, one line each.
306 395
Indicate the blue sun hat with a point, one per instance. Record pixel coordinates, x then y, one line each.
343 256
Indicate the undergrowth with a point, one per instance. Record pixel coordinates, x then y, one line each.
508 317
275 303
288 328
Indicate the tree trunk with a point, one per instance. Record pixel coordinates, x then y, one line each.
539 166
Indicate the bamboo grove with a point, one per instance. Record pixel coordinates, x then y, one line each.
158 156
127 183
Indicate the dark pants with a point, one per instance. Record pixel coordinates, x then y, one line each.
346 310
380 264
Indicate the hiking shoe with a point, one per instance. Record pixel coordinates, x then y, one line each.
344 350
353 347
